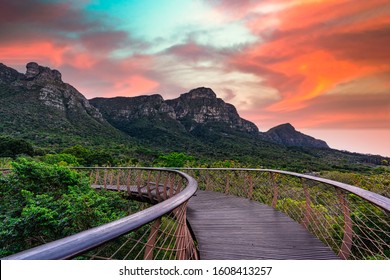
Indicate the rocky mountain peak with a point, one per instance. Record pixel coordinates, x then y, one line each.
45 85
42 73
8 75
286 134
200 93
286 127
201 106
131 108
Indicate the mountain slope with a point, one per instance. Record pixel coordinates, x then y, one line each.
197 116
201 106
188 122
285 134
147 118
40 107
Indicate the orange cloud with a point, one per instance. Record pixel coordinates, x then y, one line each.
82 61
37 51
133 86
322 72
311 47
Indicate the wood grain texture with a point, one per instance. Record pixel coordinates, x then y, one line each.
229 227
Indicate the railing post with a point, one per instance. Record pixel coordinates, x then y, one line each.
158 195
148 186
111 177
97 176
128 182
227 186
274 190
172 185
166 183
105 178
148 255
308 210
118 181
345 249
207 181
250 180
139 183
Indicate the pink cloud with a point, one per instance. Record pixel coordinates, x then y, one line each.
312 48
132 86
43 51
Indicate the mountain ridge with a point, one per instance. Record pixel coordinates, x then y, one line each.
287 135
193 112
40 107
52 115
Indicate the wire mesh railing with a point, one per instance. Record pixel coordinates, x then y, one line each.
353 222
157 232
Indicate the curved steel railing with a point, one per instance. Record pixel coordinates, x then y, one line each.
352 221
169 190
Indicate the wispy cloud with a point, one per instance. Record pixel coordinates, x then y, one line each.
310 62
316 47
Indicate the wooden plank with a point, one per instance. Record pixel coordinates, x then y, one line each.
229 227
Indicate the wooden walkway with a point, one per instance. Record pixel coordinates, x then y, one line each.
229 227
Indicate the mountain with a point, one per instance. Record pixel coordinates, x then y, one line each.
197 115
201 106
184 122
147 118
285 134
40 107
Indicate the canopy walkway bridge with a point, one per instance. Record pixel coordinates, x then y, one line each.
201 213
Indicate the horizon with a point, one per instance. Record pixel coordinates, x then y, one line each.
322 66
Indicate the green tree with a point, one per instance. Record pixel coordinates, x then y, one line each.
174 160
61 159
90 157
10 147
42 203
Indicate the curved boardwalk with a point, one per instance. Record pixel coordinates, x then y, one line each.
229 227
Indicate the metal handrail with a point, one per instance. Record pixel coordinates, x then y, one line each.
102 234
374 198
320 213
74 245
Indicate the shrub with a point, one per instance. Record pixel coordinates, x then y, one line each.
42 203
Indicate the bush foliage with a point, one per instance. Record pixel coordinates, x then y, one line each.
42 203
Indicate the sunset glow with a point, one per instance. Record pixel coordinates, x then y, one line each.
320 65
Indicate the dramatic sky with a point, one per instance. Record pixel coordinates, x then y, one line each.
323 66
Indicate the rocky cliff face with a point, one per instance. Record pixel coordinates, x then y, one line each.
51 107
201 106
40 99
285 134
47 86
198 107
9 75
133 108
198 113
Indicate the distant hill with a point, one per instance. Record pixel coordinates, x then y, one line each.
285 134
